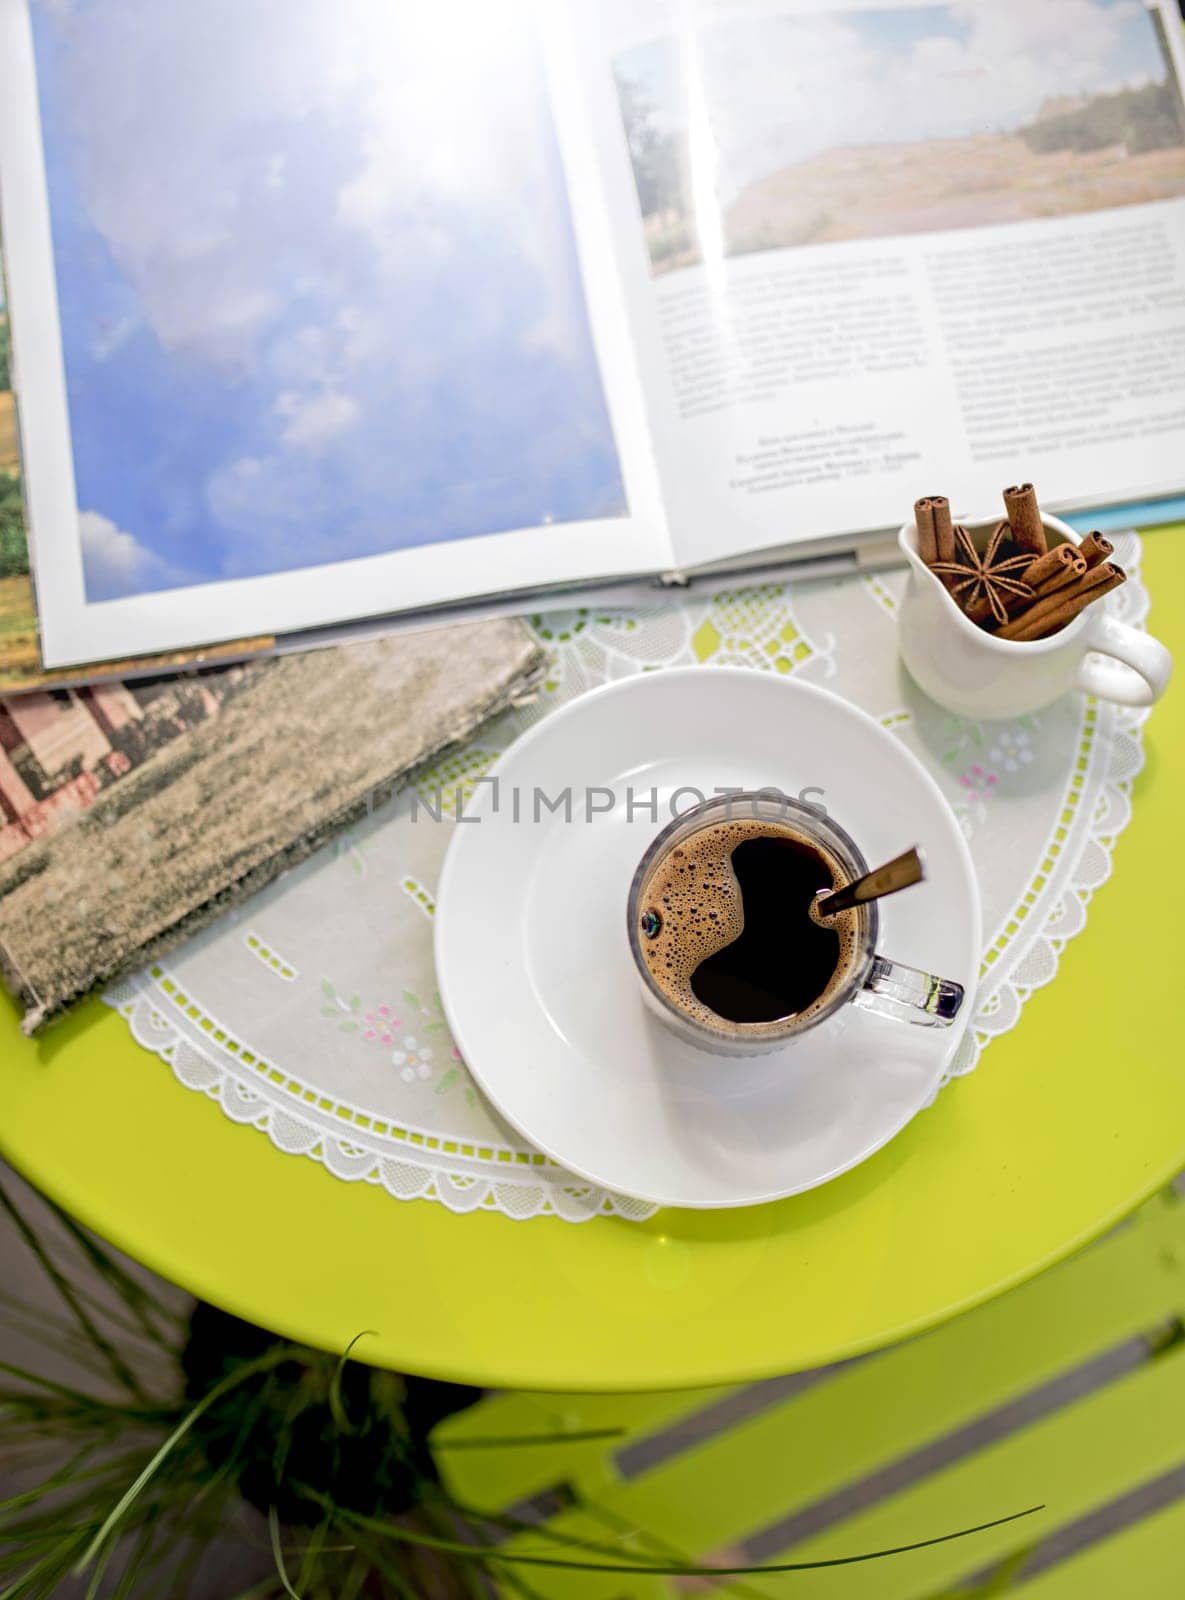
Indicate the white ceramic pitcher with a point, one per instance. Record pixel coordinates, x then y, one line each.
971 672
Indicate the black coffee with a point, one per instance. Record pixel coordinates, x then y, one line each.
781 962
725 931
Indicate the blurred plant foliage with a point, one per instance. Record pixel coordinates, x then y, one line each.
150 1430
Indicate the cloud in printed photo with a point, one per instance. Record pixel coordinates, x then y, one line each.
318 285
115 563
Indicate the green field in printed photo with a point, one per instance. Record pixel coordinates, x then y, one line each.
9 454
20 659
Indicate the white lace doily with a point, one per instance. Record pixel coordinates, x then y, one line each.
310 1013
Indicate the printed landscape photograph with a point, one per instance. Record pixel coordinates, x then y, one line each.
318 284
780 131
133 813
19 657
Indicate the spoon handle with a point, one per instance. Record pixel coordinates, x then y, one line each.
910 867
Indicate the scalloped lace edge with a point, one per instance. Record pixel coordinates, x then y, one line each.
573 1200
1104 834
576 1200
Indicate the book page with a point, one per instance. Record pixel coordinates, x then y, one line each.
303 325
874 250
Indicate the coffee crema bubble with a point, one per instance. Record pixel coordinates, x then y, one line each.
726 932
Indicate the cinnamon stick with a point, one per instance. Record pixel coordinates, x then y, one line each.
923 518
1094 548
1020 502
1050 564
944 528
1069 572
1055 610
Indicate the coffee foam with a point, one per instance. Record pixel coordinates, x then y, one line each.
695 891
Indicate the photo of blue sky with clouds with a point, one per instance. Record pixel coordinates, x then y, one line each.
318 287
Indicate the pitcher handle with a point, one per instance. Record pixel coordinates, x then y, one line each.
893 990
1138 671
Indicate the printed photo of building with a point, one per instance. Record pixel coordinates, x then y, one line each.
58 750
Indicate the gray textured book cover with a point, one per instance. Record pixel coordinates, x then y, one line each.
134 814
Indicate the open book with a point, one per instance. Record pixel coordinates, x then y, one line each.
328 312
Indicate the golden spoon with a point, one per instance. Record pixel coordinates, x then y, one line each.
903 870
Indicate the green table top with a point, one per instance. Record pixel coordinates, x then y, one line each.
1072 1119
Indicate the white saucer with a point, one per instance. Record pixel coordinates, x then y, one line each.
536 974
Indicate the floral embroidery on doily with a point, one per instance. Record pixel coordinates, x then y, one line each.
978 784
413 1059
1012 750
979 780
380 1025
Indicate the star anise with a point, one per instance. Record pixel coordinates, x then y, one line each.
981 579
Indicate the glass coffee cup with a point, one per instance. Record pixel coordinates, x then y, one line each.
727 950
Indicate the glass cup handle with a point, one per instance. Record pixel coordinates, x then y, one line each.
892 990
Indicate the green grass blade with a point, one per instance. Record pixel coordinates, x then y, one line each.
265 1586
55 1564
136 1296
273 1528
24 1585
473 1575
70 1475
138 1561
387 1570
132 1326
119 1367
336 1408
490 1557
86 1509
250 1369
101 1565
653 1547
357 1577
59 1325
79 1396
46 1328
182 1573
314 1549
571 1541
